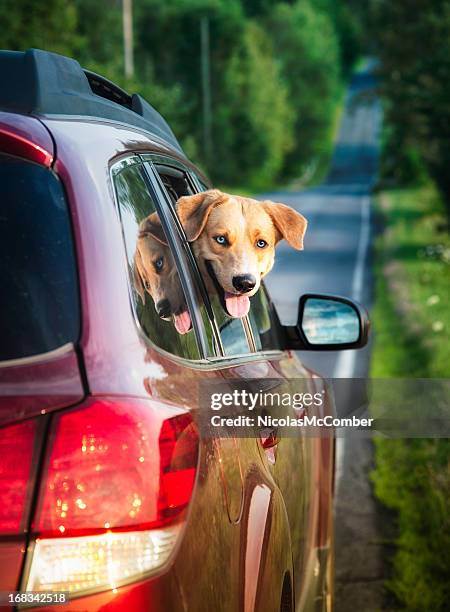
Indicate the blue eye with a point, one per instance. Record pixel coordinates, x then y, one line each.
261 243
159 263
220 240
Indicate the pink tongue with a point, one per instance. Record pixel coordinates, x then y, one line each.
237 305
183 322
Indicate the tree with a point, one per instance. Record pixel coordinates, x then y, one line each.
306 46
50 25
414 49
274 66
254 120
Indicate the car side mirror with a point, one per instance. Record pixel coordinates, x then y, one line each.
328 323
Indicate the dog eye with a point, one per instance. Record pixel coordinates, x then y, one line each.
221 240
159 263
261 243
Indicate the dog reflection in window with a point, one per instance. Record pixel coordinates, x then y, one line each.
155 274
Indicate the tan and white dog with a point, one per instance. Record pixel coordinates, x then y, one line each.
234 241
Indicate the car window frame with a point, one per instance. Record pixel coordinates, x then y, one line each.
207 362
115 167
198 182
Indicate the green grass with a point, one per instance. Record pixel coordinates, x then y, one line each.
411 322
412 312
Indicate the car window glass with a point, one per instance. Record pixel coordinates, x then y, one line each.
39 285
158 297
263 322
233 337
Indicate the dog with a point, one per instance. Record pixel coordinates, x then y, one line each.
234 241
155 273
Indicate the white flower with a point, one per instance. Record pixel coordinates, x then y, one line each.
433 299
437 326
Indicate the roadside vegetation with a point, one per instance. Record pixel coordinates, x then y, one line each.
411 319
413 279
277 70
412 42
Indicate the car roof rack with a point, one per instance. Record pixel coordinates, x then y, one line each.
36 82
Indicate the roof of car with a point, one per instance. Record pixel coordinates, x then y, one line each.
41 83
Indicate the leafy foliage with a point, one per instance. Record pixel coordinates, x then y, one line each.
412 324
275 67
413 39
310 66
254 121
48 25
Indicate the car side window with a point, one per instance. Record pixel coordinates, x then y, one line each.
233 337
158 298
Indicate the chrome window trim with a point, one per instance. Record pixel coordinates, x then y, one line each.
167 160
124 162
60 351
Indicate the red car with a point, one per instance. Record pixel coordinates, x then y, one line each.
111 492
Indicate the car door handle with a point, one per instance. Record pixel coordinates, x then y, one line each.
269 437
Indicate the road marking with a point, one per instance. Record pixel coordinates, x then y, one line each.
345 364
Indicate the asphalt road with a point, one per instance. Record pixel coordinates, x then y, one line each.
337 259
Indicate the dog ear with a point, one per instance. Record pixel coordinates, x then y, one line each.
137 275
193 211
151 225
289 223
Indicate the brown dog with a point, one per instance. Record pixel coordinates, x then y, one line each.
155 272
234 241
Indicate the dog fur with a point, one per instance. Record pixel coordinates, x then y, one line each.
248 229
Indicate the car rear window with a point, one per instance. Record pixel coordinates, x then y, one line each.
39 294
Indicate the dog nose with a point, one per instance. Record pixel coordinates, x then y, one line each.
244 282
163 308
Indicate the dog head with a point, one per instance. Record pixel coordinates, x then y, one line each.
235 238
155 272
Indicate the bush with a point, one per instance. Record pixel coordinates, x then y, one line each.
50 25
412 324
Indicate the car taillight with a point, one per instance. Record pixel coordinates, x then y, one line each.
119 475
15 144
16 453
